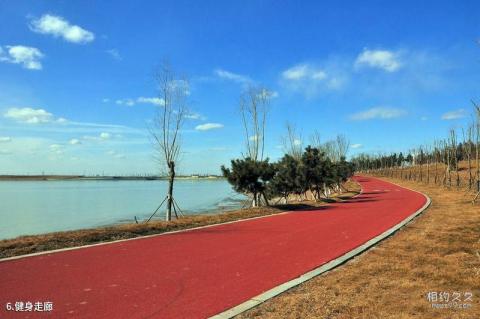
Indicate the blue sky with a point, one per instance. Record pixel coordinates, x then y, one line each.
77 92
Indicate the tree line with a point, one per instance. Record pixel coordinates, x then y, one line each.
438 162
314 171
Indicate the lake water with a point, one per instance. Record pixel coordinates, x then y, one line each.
37 207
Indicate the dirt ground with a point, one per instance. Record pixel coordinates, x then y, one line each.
434 257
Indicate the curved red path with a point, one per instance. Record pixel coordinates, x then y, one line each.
199 273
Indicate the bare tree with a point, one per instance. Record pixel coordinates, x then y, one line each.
342 144
454 155
427 159
172 93
436 157
254 107
292 142
329 149
315 140
477 152
467 150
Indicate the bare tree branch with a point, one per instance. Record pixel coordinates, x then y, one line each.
168 122
254 103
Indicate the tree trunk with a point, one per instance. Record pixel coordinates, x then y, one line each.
470 177
428 171
171 178
318 195
266 199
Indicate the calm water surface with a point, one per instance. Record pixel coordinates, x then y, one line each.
44 206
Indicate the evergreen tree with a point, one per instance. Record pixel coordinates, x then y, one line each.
250 177
286 181
313 170
400 159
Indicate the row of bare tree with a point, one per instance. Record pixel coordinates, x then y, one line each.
293 144
452 161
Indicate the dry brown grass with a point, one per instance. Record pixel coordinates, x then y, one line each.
438 251
37 243
432 172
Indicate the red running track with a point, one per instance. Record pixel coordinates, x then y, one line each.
199 273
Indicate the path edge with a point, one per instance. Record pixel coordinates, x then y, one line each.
59 250
269 294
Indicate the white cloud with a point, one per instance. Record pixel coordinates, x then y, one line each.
267 94
311 80
142 100
381 59
305 72
453 115
151 100
356 146
114 54
75 141
28 57
59 27
319 75
383 113
29 115
227 75
297 72
195 116
104 136
208 126
4 139
297 142
127 102
105 100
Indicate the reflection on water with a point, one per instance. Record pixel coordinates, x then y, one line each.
46 206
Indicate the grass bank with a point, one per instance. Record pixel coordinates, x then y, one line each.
438 252
38 243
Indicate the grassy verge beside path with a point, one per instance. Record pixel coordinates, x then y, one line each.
438 252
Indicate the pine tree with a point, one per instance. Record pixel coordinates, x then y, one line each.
250 177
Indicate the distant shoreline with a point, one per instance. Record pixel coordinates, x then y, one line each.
102 178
